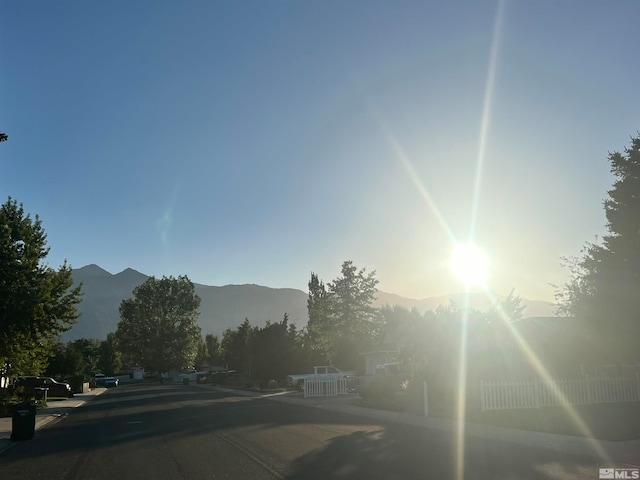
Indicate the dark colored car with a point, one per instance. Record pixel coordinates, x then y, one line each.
99 379
55 388
111 382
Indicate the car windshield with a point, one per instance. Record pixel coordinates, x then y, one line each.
320 239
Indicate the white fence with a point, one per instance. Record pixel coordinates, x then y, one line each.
325 387
572 391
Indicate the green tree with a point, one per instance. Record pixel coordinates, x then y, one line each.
319 333
109 358
603 291
157 328
235 347
213 349
89 348
37 302
342 318
507 310
201 356
67 361
272 349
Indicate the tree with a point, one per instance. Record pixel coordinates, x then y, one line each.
37 302
3 137
89 349
67 361
508 310
352 297
603 291
109 358
213 349
342 318
319 332
272 349
157 328
235 347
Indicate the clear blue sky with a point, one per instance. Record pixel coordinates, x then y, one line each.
255 142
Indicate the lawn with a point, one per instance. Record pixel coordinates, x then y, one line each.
616 422
612 421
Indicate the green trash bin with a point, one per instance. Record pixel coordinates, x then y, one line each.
185 381
23 421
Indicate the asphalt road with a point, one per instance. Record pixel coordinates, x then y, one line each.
185 432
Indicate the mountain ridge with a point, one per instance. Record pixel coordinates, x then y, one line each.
227 306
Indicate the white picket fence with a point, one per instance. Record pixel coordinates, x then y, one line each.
571 391
325 387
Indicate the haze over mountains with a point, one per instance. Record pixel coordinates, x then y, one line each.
227 306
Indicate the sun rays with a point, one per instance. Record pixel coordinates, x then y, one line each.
469 263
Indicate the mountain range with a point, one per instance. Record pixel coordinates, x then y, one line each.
227 306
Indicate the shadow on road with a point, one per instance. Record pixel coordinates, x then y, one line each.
171 413
380 455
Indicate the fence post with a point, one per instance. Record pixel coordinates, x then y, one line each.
589 393
426 400
536 396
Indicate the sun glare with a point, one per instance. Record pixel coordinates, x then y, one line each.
470 264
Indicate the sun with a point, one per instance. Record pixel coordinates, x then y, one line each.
470 264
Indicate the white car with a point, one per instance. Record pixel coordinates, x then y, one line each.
192 375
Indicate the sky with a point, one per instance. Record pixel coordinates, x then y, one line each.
259 141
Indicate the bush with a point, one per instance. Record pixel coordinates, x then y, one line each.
272 384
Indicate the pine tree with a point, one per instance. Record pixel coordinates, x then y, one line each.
604 290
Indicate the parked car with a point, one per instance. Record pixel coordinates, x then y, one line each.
192 375
111 382
98 378
54 388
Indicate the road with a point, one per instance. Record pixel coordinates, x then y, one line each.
185 432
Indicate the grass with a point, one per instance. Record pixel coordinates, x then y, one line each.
614 422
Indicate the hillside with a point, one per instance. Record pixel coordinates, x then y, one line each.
227 306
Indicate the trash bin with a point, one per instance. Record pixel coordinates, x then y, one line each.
185 381
23 421
41 394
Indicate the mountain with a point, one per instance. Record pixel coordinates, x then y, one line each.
227 306
478 301
220 308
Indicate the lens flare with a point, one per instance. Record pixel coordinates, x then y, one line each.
470 264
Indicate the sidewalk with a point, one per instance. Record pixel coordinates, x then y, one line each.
608 452
55 410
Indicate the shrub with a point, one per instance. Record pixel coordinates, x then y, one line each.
272 384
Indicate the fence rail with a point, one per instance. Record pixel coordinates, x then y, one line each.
569 391
325 387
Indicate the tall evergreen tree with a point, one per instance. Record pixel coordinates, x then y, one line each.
604 289
235 347
213 349
320 333
109 359
342 318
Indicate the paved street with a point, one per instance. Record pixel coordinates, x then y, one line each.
188 432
